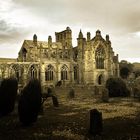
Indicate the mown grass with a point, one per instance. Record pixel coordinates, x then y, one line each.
70 121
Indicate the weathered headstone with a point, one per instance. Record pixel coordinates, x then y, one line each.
96 125
55 101
49 92
105 95
71 93
96 90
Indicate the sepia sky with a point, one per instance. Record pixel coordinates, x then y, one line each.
20 19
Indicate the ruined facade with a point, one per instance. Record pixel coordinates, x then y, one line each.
92 61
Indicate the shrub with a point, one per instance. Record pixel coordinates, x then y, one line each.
8 93
124 72
30 102
117 87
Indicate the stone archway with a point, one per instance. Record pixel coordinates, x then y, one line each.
100 79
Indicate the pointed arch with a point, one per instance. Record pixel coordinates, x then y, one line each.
49 73
24 52
100 79
33 72
15 71
100 57
64 72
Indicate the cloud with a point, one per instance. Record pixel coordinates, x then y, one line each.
10 33
9 29
121 15
20 19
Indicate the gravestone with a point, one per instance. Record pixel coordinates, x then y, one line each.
71 93
105 95
96 90
55 101
96 125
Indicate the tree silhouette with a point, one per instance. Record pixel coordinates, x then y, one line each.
8 93
30 102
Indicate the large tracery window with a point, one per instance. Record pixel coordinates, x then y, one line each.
64 72
33 72
49 73
99 56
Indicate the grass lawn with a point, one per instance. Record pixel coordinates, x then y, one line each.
70 121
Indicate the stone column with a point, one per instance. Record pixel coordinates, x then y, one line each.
6 72
72 76
71 73
3 70
56 74
79 76
25 75
42 74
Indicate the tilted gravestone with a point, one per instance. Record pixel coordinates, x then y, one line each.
96 90
55 101
105 95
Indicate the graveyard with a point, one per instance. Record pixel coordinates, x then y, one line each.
70 120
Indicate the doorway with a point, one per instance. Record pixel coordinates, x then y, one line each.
100 79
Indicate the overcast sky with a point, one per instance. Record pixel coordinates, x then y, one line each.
20 19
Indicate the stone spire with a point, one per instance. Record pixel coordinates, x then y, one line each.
107 37
80 34
49 41
88 36
98 33
35 39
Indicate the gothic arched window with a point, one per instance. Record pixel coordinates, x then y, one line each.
64 72
99 57
49 73
33 72
24 52
15 71
100 79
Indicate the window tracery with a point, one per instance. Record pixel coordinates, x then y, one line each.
99 57
64 72
49 73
